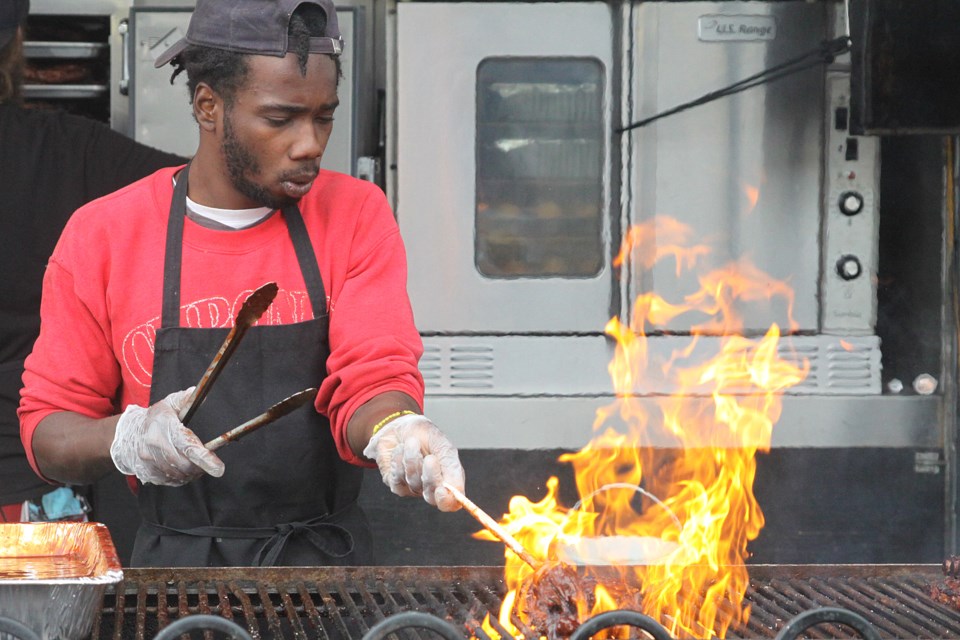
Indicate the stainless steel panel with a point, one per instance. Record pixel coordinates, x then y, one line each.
704 166
62 49
79 7
440 47
564 366
477 422
161 112
851 221
47 91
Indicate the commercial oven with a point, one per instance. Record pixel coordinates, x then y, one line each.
516 176
518 204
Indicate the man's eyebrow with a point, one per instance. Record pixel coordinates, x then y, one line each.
295 108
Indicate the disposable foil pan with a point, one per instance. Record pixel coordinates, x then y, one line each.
53 575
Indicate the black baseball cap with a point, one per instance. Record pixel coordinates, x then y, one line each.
13 13
252 26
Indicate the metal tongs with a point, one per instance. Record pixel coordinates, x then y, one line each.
251 310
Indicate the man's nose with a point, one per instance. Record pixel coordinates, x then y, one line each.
310 143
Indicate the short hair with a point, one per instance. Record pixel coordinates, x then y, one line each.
226 71
12 62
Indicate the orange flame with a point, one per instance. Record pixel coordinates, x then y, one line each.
846 346
753 196
670 525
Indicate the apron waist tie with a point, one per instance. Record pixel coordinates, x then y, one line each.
328 537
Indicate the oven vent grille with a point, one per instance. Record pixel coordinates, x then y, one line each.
576 366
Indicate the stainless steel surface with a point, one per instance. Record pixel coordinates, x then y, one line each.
54 575
568 365
532 422
949 345
701 166
79 7
437 195
851 177
48 91
63 49
347 602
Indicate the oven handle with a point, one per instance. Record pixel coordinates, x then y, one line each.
123 29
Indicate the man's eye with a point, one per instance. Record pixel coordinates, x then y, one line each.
277 122
325 119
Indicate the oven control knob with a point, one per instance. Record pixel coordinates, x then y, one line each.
849 267
851 203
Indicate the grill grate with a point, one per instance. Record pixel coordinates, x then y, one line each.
338 603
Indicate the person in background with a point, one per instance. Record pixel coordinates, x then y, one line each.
51 163
129 327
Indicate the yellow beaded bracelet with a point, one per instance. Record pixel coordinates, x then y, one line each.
395 414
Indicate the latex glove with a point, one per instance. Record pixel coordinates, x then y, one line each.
152 444
415 458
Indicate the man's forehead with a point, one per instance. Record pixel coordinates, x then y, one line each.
268 75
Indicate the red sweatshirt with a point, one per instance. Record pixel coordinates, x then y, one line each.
102 298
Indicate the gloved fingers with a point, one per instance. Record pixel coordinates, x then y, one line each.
410 465
178 399
153 445
431 478
172 472
197 454
436 473
416 458
396 480
163 461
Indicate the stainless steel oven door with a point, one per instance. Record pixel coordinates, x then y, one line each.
744 172
502 189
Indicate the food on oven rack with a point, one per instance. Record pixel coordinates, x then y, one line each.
56 72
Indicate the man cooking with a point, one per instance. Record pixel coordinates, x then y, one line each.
144 284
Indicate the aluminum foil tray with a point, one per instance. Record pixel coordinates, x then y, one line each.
53 575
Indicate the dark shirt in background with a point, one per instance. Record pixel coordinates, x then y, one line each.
51 163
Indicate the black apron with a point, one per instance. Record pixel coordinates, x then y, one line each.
286 497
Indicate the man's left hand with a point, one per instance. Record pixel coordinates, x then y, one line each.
416 458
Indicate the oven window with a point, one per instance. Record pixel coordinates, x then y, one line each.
539 209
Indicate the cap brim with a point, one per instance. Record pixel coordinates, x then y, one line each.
171 53
331 46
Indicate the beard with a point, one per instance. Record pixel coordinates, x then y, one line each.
241 163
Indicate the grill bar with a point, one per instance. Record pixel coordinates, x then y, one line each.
333 603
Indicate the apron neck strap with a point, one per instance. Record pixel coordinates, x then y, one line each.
173 255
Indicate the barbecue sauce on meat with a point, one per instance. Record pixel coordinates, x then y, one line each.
547 600
558 597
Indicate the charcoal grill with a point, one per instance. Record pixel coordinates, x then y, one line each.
334 603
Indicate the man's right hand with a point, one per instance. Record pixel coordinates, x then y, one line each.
152 444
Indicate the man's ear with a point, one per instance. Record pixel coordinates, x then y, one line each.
207 107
